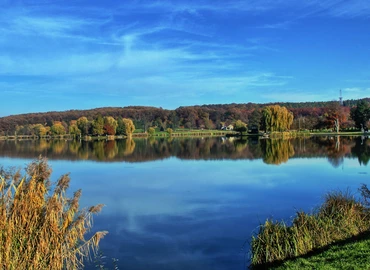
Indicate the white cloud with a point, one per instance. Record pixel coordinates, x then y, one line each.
58 65
355 92
351 9
46 25
295 96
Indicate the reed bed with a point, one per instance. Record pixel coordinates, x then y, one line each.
340 217
41 231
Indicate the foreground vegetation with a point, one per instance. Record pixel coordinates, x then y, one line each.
41 231
351 254
339 218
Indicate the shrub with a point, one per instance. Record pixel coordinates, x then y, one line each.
41 231
151 131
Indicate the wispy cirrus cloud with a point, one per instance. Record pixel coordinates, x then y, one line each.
305 8
59 65
348 9
189 51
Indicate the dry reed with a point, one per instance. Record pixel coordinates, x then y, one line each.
41 231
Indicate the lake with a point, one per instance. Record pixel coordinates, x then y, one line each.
194 203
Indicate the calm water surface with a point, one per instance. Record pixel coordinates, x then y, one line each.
195 203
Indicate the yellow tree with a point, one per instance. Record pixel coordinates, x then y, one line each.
125 127
276 118
73 128
57 128
83 125
39 129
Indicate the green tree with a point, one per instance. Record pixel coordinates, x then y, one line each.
151 131
174 120
276 118
98 125
254 119
240 127
83 125
120 130
169 131
74 130
361 113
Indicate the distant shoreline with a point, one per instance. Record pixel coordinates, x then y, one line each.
192 133
187 133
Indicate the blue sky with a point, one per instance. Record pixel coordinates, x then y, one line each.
60 55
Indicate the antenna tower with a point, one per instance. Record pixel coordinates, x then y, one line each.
340 98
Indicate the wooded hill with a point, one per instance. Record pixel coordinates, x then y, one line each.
307 115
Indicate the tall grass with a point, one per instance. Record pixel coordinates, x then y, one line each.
41 231
340 216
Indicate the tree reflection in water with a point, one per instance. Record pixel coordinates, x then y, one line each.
271 151
276 151
361 150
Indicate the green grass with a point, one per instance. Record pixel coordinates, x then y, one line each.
352 255
339 218
191 132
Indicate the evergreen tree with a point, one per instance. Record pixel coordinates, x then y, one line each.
361 113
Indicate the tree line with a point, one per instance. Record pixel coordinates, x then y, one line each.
99 126
297 116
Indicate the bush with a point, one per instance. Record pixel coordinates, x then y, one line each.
41 231
151 131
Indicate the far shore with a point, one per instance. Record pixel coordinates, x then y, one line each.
187 133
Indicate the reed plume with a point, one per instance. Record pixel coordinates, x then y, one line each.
42 231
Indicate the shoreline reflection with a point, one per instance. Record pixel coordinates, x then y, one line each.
271 151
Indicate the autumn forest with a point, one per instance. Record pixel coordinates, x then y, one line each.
352 114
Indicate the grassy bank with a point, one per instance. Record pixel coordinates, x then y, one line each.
346 133
186 133
339 218
353 253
